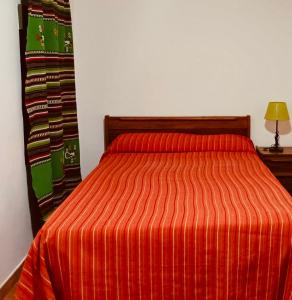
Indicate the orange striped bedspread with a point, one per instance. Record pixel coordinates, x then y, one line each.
167 225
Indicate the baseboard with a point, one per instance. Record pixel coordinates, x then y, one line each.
11 281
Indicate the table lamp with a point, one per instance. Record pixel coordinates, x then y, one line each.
277 111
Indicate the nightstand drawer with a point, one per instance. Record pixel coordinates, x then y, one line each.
279 167
286 182
280 164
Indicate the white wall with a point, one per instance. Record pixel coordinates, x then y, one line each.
171 57
154 57
15 227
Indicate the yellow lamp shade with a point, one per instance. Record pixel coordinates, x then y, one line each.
277 111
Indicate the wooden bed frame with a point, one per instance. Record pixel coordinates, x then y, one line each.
113 126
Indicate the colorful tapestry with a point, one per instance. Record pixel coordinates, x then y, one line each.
53 144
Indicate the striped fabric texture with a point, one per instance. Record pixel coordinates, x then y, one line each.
53 144
179 142
181 225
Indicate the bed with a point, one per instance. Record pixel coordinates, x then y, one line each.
178 208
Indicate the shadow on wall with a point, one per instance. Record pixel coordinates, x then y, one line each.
284 126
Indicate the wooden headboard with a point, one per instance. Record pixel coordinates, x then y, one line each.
113 126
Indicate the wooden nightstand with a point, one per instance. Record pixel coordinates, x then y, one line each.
280 164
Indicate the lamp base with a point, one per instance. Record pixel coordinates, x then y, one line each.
276 149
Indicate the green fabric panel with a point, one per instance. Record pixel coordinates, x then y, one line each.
61 37
51 35
68 44
72 155
42 179
58 164
35 34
